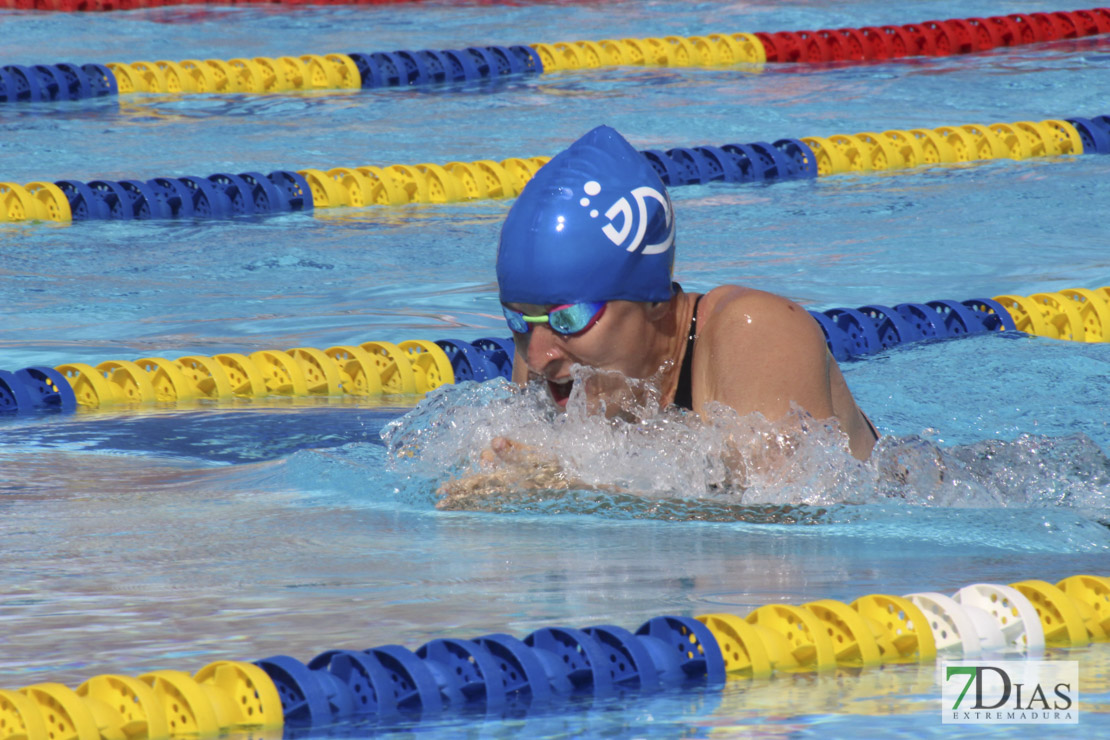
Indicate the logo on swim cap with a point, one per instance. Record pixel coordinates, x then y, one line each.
623 209
594 224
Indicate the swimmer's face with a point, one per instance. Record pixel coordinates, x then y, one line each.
615 342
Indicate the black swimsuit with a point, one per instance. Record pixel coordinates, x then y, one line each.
684 394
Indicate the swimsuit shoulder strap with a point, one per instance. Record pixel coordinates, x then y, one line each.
684 394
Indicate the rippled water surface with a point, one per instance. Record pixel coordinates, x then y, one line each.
169 537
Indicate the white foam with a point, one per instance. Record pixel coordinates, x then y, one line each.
722 457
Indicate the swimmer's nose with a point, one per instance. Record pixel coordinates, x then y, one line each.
545 349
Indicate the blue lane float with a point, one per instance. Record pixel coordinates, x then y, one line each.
854 332
484 359
405 68
786 159
35 389
217 196
1095 133
51 82
495 672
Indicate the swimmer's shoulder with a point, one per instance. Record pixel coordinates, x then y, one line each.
756 351
736 313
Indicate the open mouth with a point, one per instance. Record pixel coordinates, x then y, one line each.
560 390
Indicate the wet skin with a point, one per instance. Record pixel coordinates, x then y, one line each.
626 338
755 352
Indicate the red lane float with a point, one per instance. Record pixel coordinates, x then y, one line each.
931 38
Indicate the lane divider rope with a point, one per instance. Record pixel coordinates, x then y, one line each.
499 673
417 366
225 195
261 75
403 68
1075 314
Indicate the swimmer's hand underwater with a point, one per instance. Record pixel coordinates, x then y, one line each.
507 466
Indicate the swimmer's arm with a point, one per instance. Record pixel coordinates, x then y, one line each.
764 352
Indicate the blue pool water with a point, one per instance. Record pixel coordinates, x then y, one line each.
169 538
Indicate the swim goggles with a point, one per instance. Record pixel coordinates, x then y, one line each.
571 318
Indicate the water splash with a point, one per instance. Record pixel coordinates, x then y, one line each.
722 465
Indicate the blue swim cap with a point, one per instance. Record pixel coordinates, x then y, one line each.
594 224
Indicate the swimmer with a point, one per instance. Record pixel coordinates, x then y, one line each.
584 271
